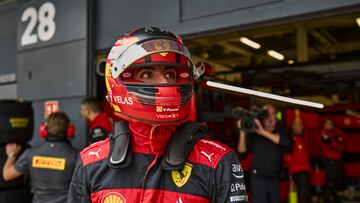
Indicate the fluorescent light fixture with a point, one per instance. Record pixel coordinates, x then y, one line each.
264 95
250 43
358 21
275 54
291 61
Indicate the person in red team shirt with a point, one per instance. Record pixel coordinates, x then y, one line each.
332 146
299 165
99 125
156 154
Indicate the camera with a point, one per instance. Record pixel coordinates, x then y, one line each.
248 117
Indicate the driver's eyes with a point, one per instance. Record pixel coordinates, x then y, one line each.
146 75
156 75
170 74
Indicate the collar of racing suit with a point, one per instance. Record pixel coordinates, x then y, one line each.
100 120
150 139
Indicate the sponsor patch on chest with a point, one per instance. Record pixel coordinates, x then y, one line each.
113 197
48 162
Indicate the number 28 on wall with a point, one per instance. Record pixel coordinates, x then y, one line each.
46 25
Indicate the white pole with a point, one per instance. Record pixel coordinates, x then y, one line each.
264 95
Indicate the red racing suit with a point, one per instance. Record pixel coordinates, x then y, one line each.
99 128
212 172
332 144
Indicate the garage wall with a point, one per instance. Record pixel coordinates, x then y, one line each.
186 17
8 87
8 38
8 91
54 68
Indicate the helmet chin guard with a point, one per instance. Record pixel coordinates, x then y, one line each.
133 100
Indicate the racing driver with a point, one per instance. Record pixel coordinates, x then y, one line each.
155 153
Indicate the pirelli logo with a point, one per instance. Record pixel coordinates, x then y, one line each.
48 162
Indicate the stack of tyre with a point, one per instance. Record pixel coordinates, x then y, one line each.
16 126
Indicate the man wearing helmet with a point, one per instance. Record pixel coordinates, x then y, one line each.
156 154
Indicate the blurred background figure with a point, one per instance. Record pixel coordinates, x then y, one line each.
16 126
99 125
50 166
267 144
332 146
299 164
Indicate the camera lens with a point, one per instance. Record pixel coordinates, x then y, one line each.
248 124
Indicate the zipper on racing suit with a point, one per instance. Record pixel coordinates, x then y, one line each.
152 163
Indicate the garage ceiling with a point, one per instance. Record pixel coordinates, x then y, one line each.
317 53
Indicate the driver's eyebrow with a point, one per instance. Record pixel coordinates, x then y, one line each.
169 68
144 68
137 70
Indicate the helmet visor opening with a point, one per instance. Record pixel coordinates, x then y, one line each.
137 51
156 73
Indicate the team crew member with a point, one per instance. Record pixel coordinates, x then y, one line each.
16 190
299 164
156 154
50 166
332 146
267 146
99 125
16 126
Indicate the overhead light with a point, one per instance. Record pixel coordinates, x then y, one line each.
263 94
291 61
275 54
358 21
250 43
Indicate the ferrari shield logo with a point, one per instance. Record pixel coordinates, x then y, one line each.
181 177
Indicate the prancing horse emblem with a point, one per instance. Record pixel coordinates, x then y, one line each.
181 177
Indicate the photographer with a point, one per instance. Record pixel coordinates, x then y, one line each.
267 144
